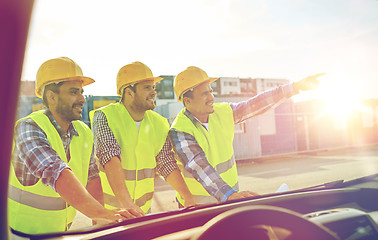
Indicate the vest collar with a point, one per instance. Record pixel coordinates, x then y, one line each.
71 129
193 118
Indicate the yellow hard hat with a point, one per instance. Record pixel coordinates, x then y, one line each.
59 70
133 73
189 79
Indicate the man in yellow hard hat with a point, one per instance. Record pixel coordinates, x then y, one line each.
202 133
53 170
131 142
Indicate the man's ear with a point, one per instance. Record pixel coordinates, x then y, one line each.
52 98
186 100
129 92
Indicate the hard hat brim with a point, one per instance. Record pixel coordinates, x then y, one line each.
155 79
85 80
210 81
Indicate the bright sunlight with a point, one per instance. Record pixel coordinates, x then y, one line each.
341 99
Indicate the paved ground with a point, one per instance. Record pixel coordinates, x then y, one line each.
267 174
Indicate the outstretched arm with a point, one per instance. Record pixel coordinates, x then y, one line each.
307 83
271 98
262 102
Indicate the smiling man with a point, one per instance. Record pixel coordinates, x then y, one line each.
53 170
131 142
202 133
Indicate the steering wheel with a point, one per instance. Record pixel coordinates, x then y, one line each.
242 223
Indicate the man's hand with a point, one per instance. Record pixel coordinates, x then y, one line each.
308 83
128 213
137 212
189 201
116 215
243 194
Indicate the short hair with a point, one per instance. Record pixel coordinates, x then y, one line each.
55 87
132 87
188 94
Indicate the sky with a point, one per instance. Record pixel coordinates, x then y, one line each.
288 39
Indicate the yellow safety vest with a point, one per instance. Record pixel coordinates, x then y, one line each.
138 152
38 208
217 145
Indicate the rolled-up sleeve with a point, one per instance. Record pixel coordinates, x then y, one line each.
35 158
105 143
165 160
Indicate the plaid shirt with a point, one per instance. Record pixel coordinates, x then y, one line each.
195 161
34 158
106 146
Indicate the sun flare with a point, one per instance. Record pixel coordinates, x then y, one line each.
340 101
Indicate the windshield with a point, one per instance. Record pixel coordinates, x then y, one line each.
290 139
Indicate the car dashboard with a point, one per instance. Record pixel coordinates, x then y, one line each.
347 211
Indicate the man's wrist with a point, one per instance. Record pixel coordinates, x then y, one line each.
295 87
227 195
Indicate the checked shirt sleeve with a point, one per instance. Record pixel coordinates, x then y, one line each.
262 102
165 160
33 156
105 143
195 162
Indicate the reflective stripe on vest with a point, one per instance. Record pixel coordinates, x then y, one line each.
131 175
38 208
138 152
35 200
217 144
